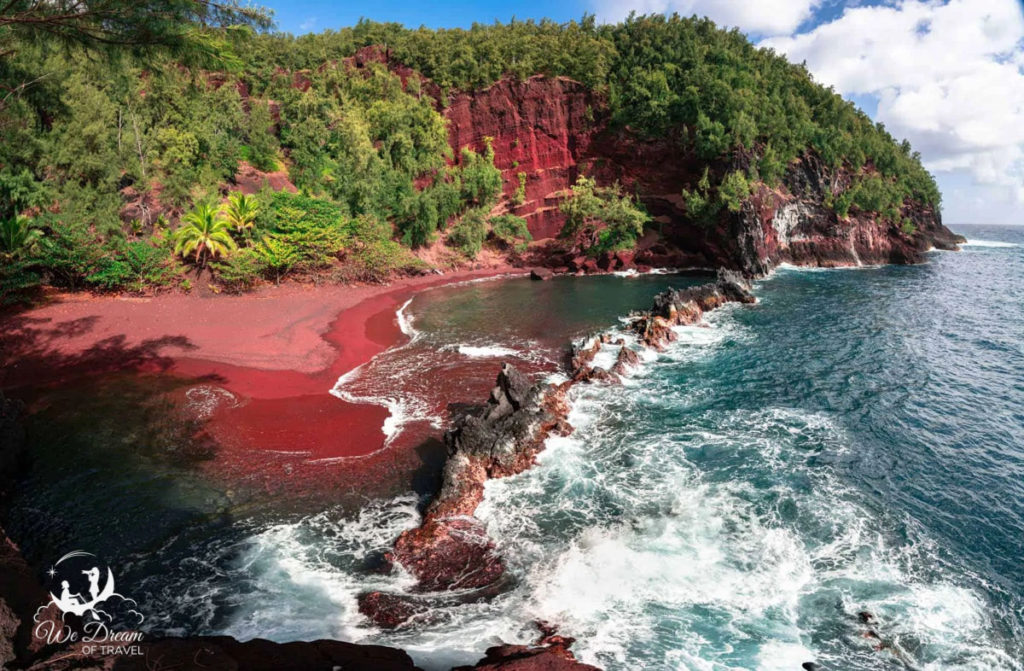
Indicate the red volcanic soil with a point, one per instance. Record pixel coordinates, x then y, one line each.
278 351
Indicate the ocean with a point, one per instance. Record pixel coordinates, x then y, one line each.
850 448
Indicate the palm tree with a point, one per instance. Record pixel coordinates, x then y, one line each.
204 232
240 211
17 235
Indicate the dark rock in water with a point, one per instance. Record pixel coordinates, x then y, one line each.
866 617
811 666
449 554
626 359
734 286
525 658
686 306
389 610
222 653
541 274
450 550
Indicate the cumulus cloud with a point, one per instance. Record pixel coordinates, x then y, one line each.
948 76
759 17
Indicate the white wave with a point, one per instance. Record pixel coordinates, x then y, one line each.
988 243
401 411
307 571
203 400
786 266
405 321
633 272
485 351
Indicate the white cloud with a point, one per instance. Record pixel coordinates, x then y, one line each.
948 76
759 17
308 24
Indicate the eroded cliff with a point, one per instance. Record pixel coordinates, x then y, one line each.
546 131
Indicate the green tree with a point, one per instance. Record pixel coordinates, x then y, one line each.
183 27
733 190
205 233
261 140
601 219
240 211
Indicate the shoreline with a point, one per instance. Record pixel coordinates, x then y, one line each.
277 352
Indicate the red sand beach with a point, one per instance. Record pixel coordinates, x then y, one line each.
279 351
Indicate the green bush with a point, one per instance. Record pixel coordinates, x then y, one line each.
601 219
374 256
733 190
133 266
481 181
519 197
242 270
511 230
18 280
469 233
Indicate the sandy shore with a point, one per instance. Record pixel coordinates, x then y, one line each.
278 351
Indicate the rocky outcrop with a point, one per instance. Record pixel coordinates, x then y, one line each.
546 131
450 550
450 553
687 306
793 225
527 658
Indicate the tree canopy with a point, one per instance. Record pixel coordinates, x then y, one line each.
119 118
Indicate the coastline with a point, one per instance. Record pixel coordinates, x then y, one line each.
277 353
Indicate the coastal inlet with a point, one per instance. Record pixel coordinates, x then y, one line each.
849 445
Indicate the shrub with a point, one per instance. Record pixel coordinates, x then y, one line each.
733 190
374 256
481 181
242 270
511 230
134 266
601 219
469 233
519 197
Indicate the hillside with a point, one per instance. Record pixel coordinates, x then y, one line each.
659 141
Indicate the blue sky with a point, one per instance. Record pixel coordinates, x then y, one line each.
946 74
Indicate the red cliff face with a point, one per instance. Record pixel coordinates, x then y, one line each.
550 129
540 128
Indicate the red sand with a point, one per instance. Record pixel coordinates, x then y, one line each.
279 351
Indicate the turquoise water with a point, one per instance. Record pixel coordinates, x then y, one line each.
854 442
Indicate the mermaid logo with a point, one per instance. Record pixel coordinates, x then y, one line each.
81 587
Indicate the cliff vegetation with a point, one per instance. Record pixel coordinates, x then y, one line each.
182 142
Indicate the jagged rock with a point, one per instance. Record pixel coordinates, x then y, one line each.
222 653
676 307
553 657
450 550
389 610
625 360
541 274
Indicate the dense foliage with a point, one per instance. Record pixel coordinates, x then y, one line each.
112 157
600 219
